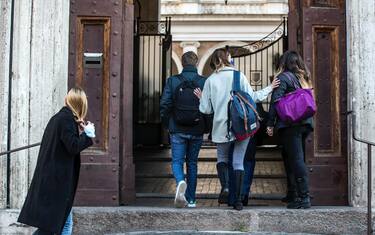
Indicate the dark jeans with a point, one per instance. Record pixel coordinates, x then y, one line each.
249 166
290 179
293 141
186 147
42 232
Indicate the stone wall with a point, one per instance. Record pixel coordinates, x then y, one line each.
38 83
361 86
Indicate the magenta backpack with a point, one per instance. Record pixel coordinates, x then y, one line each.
297 105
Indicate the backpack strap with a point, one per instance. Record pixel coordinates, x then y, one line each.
228 120
181 77
292 78
236 86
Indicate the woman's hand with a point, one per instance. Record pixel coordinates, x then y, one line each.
275 83
89 129
81 125
270 131
198 93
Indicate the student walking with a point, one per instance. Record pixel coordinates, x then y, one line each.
293 75
50 197
214 99
249 159
179 111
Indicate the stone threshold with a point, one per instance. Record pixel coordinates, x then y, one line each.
267 220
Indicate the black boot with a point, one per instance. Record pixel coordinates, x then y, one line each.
238 181
222 172
245 200
303 199
290 196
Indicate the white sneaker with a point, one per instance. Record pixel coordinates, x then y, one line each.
180 200
192 204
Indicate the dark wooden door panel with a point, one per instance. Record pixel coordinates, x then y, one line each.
95 64
324 50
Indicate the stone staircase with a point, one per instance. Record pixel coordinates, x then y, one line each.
155 182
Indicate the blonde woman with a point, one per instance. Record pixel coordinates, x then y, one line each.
214 99
50 197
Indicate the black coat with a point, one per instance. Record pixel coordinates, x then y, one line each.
286 86
166 103
52 190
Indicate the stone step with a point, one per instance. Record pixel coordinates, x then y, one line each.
168 202
207 186
278 220
336 220
206 154
188 232
269 169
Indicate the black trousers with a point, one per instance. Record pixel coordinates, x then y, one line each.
293 141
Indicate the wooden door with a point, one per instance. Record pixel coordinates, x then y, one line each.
322 37
97 53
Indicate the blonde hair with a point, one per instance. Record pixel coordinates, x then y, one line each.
76 101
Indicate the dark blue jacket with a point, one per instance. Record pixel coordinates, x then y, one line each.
286 86
166 103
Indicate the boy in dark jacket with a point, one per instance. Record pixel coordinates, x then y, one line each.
179 111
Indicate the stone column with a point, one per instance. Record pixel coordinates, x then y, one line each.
361 90
190 46
5 9
39 83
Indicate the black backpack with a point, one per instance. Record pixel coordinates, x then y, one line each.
185 103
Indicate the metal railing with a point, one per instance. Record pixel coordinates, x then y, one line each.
19 149
7 153
369 172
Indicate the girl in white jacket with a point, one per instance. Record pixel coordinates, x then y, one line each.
214 99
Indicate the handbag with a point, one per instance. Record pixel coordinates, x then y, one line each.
297 105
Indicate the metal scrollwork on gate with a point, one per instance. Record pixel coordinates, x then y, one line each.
153 27
254 47
259 60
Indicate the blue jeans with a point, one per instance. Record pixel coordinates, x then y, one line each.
186 147
68 227
67 230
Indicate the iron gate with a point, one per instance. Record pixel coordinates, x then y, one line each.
259 60
152 66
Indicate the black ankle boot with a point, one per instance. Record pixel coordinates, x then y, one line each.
290 196
303 199
245 200
238 180
222 172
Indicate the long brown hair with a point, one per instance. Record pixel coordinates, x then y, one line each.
219 59
76 101
291 61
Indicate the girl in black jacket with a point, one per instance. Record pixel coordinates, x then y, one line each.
292 135
50 197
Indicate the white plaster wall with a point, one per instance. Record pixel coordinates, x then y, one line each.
5 8
361 60
39 82
212 20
